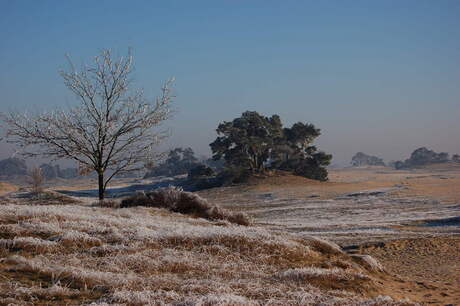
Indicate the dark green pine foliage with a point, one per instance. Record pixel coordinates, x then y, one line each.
246 141
295 152
252 143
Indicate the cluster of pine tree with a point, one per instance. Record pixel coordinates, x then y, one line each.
254 143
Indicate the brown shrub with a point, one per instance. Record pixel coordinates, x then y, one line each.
107 203
138 199
177 200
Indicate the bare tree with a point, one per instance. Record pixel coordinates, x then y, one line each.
113 128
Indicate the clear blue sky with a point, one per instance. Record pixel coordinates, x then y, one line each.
381 77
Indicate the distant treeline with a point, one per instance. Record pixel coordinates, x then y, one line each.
420 157
423 156
362 159
13 166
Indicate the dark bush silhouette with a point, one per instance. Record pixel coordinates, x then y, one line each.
200 171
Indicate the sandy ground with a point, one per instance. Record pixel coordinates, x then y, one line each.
426 270
409 220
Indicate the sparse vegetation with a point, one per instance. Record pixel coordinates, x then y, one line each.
36 180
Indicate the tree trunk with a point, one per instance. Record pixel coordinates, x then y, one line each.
101 185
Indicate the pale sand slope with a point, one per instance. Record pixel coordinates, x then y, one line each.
417 215
6 188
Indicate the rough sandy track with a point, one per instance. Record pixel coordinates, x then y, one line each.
429 268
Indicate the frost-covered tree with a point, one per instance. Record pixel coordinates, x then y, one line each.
112 129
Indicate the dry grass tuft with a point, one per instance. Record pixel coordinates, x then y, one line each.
176 200
110 203
312 273
32 244
323 246
368 262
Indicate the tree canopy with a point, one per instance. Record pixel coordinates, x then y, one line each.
246 141
256 143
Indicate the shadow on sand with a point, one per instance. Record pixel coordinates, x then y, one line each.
454 221
117 192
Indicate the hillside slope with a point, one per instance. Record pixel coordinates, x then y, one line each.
75 254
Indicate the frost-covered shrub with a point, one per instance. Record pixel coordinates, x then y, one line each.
177 200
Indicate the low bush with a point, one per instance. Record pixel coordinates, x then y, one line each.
177 200
200 171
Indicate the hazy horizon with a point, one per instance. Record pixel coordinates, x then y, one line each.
378 77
